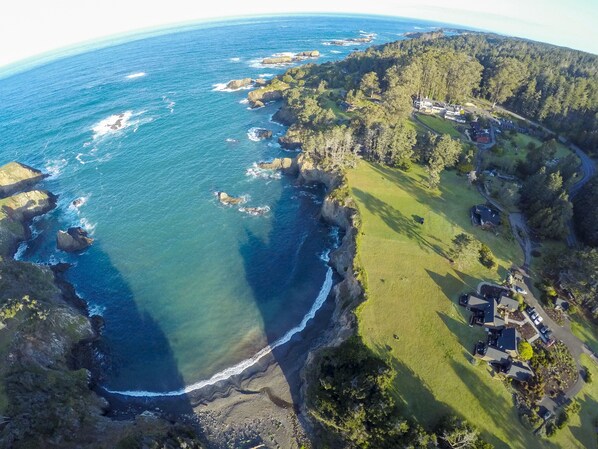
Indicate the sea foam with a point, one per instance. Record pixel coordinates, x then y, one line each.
135 75
247 363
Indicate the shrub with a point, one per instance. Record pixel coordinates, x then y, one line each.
526 352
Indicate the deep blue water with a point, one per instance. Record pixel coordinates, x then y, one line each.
187 287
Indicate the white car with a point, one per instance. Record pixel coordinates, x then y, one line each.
520 290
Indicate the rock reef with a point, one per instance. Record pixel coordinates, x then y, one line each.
239 84
286 164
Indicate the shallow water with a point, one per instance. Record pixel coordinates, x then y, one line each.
145 134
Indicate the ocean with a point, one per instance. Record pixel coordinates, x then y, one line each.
191 291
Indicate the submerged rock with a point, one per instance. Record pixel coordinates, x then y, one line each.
15 176
239 84
228 200
73 240
255 211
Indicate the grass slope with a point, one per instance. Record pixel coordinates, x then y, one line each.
440 125
412 293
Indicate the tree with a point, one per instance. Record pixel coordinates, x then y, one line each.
526 352
445 153
457 433
465 249
370 85
506 76
486 257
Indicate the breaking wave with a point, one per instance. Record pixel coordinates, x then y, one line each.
247 363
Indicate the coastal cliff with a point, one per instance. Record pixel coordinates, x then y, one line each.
46 399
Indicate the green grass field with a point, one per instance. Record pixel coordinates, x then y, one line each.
413 292
585 331
440 125
581 431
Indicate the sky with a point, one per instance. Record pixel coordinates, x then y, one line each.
29 28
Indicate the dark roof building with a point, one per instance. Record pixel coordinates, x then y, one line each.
482 215
485 311
507 340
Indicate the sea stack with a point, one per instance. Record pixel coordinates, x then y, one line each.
73 240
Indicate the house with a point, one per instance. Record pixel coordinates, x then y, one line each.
508 304
485 312
487 217
561 304
506 340
490 354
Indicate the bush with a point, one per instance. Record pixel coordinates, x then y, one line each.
587 375
486 257
526 352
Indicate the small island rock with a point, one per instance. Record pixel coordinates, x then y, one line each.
228 200
239 84
73 240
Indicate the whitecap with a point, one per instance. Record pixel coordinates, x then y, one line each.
88 226
169 104
252 134
259 173
112 124
265 75
222 87
247 363
96 309
20 251
255 211
135 75
54 167
336 52
235 59
244 101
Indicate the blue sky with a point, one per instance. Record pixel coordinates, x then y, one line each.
33 27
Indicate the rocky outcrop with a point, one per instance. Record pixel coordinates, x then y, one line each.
308 54
275 60
309 172
228 200
260 82
239 84
263 133
285 164
288 59
270 92
15 177
16 211
284 116
73 240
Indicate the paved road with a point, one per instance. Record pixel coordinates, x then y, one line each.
588 169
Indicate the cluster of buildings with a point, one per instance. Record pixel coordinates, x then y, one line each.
500 350
448 111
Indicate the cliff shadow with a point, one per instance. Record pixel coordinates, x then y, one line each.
133 354
287 273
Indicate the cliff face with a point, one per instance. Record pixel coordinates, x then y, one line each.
15 177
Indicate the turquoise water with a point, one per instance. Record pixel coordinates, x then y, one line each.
187 287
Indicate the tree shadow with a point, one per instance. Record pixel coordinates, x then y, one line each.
586 432
499 411
397 221
461 331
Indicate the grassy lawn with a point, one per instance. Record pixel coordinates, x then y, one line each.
412 293
440 125
585 331
581 432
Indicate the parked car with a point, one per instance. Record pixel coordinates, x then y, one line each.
542 328
534 315
530 310
520 290
538 320
547 415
